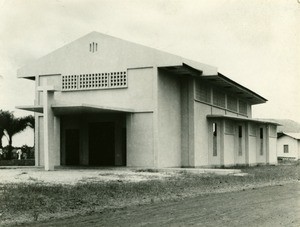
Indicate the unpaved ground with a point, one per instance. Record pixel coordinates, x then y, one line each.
269 206
73 176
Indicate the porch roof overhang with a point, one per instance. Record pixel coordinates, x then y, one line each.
219 80
233 118
32 108
68 109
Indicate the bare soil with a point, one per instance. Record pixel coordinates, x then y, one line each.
74 176
267 206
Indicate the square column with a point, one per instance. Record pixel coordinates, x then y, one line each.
50 142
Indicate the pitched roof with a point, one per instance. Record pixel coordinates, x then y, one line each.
117 54
293 135
286 125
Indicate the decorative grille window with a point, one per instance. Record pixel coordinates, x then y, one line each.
219 98
231 103
242 107
202 92
94 81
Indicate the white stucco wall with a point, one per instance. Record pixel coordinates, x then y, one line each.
202 150
169 121
272 150
252 149
293 147
40 137
140 150
261 158
138 95
229 150
240 158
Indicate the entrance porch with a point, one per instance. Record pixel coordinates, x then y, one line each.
93 139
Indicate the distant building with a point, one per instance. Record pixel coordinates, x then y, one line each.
104 101
288 145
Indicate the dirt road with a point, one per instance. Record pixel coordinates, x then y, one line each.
269 206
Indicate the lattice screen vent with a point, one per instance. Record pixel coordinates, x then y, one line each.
94 81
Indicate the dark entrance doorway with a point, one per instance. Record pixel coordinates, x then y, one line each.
72 147
102 144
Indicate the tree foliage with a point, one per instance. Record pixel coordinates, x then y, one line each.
11 125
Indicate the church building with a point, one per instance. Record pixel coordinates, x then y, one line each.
104 101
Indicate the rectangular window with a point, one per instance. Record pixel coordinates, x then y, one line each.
261 136
219 98
261 133
231 103
240 132
202 92
215 128
242 107
285 148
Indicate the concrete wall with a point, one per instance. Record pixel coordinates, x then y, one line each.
261 158
272 150
169 120
240 156
229 150
293 147
40 138
140 150
216 160
252 149
187 123
138 95
202 126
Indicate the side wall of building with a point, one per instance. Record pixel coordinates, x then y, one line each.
292 144
140 140
169 120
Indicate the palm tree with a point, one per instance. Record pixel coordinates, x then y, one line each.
12 125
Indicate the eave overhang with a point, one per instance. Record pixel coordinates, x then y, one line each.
70 109
243 119
217 80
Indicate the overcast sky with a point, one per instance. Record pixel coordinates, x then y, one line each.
254 42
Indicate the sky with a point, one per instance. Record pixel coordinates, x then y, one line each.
254 42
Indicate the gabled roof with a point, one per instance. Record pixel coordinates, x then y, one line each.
112 54
290 134
117 54
287 125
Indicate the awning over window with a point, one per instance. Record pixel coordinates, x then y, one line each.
233 118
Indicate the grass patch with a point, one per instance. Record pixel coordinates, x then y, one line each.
16 162
149 170
37 199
